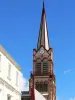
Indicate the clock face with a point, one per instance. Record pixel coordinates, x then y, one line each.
41 51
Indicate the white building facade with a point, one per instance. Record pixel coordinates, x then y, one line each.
10 75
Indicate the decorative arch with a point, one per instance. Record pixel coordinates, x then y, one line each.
38 59
46 81
45 58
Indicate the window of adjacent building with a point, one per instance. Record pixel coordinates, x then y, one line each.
42 87
0 62
38 66
45 66
17 78
9 71
8 97
0 94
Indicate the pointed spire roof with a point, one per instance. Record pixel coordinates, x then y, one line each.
43 33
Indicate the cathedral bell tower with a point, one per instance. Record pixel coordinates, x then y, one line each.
44 78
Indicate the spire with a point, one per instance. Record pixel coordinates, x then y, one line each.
43 33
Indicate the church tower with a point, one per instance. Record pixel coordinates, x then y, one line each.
44 78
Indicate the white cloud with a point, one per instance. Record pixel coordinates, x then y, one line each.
72 98
57 98
67 71
24 83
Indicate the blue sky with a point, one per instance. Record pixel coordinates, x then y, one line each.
19 28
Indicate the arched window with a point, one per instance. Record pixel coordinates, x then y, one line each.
45 66
45 87
41 87
37 86
38 66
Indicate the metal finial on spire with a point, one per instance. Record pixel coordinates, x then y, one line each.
43 10
43 3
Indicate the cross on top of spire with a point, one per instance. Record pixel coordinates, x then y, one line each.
43 7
